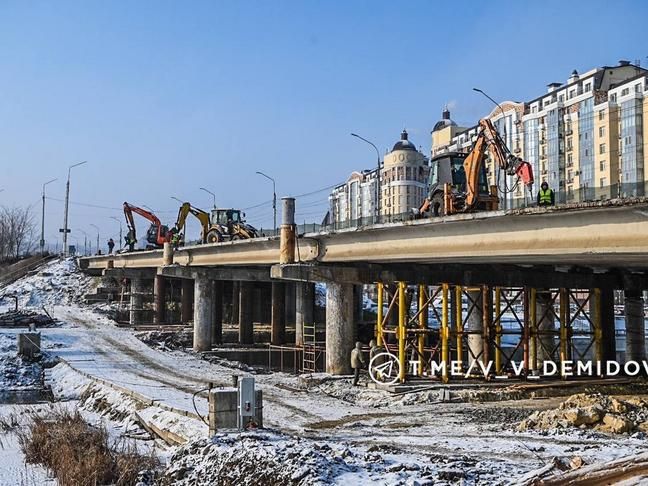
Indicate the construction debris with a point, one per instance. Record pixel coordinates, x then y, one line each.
593 411
167 340
23 318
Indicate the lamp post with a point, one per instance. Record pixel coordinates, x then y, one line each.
505 137
120 229
85 242
497 104
209 192
274 198
377 173
65 229
97 228
42 239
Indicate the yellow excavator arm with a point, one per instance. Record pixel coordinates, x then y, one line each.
201 215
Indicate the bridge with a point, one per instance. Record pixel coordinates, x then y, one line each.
549 269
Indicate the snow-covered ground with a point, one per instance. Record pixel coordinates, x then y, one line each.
322 430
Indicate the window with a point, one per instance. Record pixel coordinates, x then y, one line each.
588 87
601 115
602 165
570 160
625 91
561 98
628 140
569 174
569 143
613 97
586 152
637 88
603 182
602 148
572 93
601 131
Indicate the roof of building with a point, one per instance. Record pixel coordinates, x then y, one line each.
445 121
404 143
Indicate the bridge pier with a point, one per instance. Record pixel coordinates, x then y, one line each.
475 327
246 324
137 289
634 323
305 309
203 313
278 313
217 320
605 311
545 325
159 296
186 300
339 328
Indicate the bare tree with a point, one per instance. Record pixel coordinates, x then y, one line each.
17 229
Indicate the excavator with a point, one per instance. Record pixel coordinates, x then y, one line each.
458 182
227 224
157 234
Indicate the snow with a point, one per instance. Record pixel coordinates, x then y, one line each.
13 469
318 430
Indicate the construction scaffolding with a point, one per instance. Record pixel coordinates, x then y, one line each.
452 331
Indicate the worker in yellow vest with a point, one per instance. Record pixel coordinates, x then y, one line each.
546 196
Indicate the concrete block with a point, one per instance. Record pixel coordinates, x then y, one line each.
29 344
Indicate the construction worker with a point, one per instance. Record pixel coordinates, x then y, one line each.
357 362
546 196
176 240
111 245
130 241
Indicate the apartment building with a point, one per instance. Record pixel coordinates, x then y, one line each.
585 137
355 200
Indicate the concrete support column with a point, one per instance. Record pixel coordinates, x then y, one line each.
159 299
217 320
339 328
186 301
546 323
358 291
305 310
246 325
136 301
236 291
606 319
475 324
634 322
203 313
278 317
290 302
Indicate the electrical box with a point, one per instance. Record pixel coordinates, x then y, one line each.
247 401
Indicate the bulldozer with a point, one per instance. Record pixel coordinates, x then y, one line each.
458 181
222 225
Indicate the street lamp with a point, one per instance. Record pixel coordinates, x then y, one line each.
85 242
209 192
120 229
97 227
497 104
42 239
505 137
377 173
65 229
274 198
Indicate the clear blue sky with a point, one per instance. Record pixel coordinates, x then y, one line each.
163 97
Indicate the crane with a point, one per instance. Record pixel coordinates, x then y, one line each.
157 234
458 181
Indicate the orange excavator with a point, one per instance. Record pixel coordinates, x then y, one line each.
157 234
458 182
